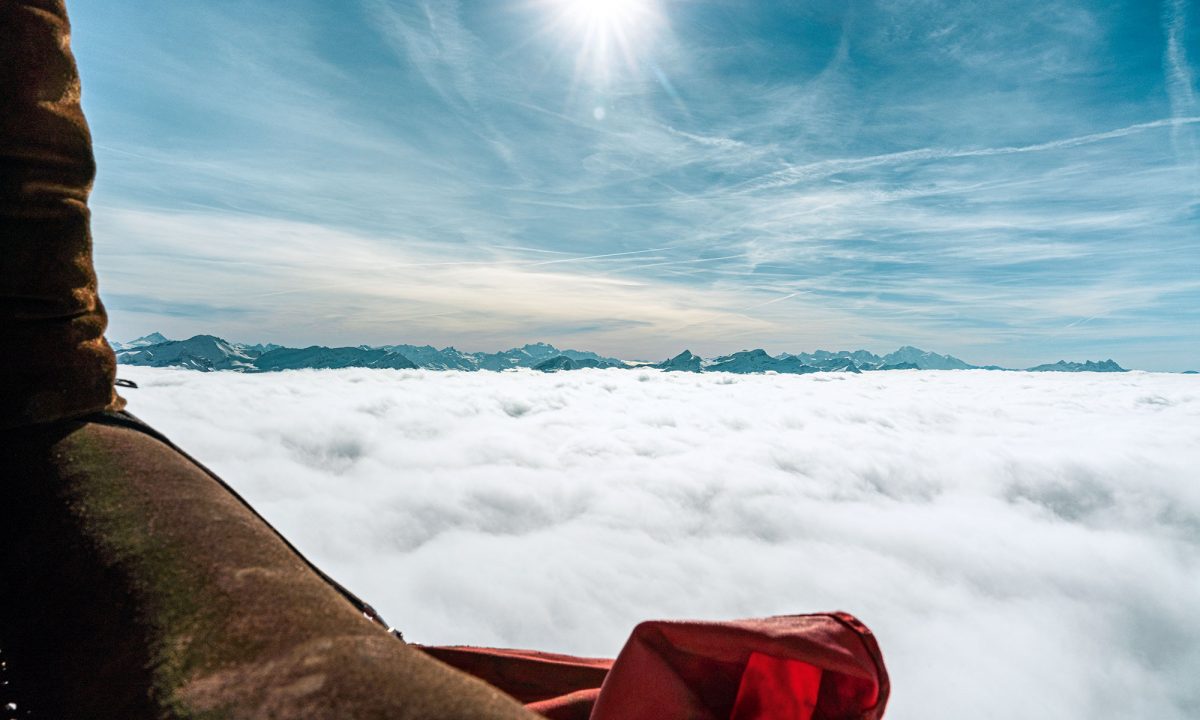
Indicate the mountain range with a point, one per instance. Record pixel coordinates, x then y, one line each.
207 352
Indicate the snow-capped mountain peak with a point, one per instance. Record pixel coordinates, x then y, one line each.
153 338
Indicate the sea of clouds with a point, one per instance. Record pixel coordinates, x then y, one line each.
1023 545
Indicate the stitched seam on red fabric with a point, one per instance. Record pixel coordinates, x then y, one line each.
882 682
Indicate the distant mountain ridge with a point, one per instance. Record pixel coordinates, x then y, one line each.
1089 366
207 353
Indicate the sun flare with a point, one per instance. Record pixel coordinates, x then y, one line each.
604 13
605 33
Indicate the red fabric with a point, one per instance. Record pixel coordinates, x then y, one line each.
560 687
795 667
774 687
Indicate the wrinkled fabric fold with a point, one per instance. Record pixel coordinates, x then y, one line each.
824 666
58 365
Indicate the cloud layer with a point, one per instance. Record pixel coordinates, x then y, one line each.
1024 545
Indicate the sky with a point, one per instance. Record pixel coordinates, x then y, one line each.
1011 183
1023 545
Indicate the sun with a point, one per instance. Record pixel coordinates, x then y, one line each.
605 34
605 15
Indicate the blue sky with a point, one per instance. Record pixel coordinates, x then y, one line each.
1010 182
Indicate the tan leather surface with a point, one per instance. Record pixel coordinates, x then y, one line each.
56 363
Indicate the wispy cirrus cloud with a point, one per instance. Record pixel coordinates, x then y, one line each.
1180 79
842 153
828 168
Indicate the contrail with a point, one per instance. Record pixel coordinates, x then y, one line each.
597 257
778 299
825 168
689 262
529 249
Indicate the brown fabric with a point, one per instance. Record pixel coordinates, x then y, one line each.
56 363
133 585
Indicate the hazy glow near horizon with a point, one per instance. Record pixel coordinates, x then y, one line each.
1024 545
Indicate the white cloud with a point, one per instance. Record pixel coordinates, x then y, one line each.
1023 545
